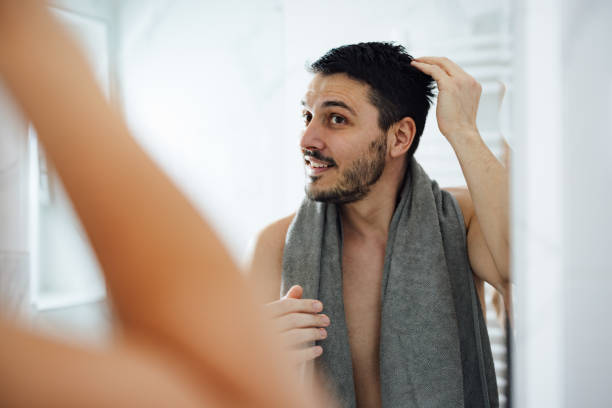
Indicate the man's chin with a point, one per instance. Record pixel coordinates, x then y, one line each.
317 194
332 196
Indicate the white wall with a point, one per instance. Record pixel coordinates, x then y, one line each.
562 204
537 204
587 197
202 88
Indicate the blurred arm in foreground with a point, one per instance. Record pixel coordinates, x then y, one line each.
189 333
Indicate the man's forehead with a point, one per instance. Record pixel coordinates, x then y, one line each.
338 87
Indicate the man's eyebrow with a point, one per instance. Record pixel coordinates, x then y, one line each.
340 104
327 104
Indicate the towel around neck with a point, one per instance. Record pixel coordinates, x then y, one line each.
434 346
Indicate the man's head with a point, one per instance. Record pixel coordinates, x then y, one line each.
366 102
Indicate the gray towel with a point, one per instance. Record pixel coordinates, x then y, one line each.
434 346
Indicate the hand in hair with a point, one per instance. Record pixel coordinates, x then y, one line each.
458 96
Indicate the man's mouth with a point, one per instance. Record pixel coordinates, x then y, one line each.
316 166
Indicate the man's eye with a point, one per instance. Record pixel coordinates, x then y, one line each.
307 117
337 120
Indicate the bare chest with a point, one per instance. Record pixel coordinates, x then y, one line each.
362 267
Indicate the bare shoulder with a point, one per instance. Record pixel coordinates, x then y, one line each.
464 199
265 266
273 236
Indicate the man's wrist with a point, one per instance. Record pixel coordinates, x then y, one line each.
462 139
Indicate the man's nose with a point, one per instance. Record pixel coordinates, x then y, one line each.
312 137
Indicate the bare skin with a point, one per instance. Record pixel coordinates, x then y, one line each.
343 134
191 334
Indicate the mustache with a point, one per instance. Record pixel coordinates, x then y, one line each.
318 155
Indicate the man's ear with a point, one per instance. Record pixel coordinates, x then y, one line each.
402 136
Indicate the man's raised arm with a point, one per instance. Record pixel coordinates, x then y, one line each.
486 177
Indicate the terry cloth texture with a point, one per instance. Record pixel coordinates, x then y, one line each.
434 345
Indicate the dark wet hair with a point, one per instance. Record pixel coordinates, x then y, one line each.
397 89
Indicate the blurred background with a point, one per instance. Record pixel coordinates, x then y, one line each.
211 90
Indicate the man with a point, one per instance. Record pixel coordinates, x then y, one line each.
379 246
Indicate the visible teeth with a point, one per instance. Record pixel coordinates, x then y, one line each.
311 163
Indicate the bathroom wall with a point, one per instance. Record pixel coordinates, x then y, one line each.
561 204
202 90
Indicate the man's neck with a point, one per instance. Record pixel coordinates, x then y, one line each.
370 217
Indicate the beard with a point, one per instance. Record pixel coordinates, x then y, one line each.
356 181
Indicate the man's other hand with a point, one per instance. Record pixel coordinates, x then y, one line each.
299 323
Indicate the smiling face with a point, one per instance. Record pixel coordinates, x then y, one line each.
344 149
343 146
